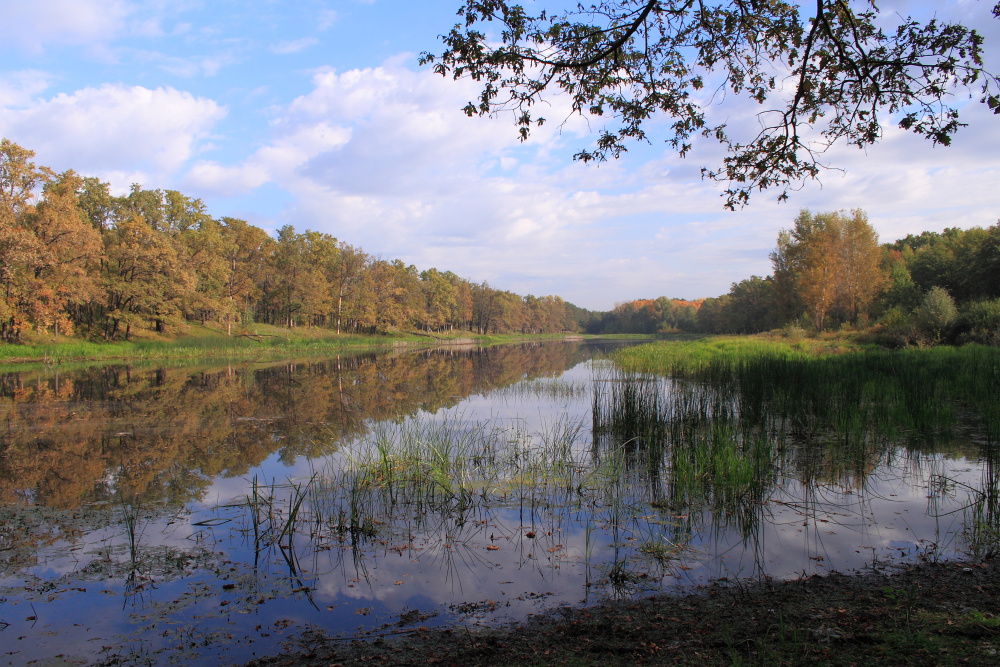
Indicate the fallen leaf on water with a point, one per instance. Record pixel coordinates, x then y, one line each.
492 547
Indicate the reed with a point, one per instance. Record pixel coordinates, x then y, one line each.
856 398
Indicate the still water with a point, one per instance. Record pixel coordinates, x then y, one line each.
189 514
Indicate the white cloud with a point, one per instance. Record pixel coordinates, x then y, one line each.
294 46
326 19
35 24
114 130
20 88
276 162
188 66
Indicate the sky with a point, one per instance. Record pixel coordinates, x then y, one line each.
315 114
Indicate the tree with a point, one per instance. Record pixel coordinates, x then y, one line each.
814 261
950 259
245 250
712 315
97 203
68 251
751 306
830 263
290 267
142 276
831 75
986 275
439 299
861 274
935 313
346 278
461 315
900 291
19 248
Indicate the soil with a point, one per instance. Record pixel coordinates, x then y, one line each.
926 614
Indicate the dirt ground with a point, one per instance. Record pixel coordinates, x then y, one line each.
927 614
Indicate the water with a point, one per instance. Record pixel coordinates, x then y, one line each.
162 516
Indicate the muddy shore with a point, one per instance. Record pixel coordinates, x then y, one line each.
926 614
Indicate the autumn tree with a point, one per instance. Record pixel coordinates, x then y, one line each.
461 314
829 261
439 299
823 73
289 266
321 255
142 277
394 295
96 202
346 278
244 251
862 277
485 307
183 247
19 249
68 252
73 254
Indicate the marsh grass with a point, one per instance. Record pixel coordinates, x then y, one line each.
857 398
706 444
439 480
200 346
982 514
736 410
543 388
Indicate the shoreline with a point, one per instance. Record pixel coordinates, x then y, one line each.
208 344
920 614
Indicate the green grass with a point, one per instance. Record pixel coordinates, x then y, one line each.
254 342
858 395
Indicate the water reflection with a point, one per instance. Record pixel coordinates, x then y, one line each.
162 435
211 513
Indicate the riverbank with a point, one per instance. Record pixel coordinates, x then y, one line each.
258 342
925 614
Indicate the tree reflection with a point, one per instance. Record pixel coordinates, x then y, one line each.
162 434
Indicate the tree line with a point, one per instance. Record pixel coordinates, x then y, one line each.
830 271
76 259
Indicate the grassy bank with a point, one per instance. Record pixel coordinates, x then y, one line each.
260 342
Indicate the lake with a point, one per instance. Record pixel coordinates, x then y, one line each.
169 515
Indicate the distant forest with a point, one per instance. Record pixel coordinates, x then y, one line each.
74 259
829 271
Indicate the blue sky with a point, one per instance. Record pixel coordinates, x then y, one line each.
315 113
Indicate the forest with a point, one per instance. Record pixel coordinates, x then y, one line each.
77 260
